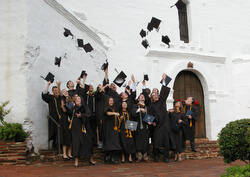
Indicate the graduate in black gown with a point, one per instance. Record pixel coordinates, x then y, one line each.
112 145
55 111
127 141
162 128
82 145
178 124
191 119
71 88
142 132
66 139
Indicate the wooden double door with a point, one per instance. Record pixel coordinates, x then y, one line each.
188 84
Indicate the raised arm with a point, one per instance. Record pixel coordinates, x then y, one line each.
45 94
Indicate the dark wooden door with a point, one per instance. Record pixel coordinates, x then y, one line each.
188 84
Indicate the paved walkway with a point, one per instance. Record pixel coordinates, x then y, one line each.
188 168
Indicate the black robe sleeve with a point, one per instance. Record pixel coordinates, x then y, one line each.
164 94
46 97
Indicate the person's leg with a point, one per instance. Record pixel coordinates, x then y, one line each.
130 158
65 152
156 154
192 141
139 156
166 148
123 158
76 162
69 152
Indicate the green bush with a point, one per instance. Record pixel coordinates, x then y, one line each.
12 131
237 171
233 141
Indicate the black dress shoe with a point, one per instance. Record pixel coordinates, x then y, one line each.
194 150
92 163
166 160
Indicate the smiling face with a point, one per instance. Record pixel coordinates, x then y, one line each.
124 105
78 101
141 98
189 101
70 85
155 90
55 91
124 96
155 97
91 88
111 102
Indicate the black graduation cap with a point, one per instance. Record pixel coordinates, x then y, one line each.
120 79
145 43
67 32
180 4
83 73
87 47
105 66
143 33
50 77
150 27
80 42
131 125
58 61
145 77
155 22
165 40
167 80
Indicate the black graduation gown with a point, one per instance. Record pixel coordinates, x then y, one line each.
82 145
142 131
111 93
162 134
65 131
55 112
72 92
82 92
111 136
101 100
190 125
127 143
178 130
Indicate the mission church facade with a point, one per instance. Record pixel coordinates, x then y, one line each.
208 57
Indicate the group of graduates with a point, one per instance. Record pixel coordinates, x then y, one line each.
104 118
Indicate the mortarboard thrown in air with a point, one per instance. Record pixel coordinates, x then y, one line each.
155 22
143 33
167 80
67 33
145 43
58 61
148 118
105 66
131 125
150 27
80 43
83 73
145 77
87 47
120 79
165 39
50 77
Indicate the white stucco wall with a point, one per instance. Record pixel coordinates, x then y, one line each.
13 35
31 36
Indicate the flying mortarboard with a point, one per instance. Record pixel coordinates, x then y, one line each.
165 40
87 47
155 22
120 79
145 43
143 33
105 66
58 61
67 33
50 77
145 77
83 73
131 125
80 42
167 80
150 27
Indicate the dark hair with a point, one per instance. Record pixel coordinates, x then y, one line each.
54 87
68 83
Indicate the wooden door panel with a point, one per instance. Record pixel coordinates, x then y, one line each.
188 84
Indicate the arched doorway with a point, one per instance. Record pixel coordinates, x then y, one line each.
188 84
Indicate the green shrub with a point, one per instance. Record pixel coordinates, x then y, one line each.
3 111
237 171
12 131
233 141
